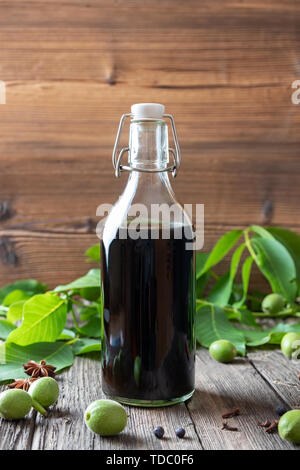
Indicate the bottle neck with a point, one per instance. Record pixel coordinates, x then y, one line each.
148 144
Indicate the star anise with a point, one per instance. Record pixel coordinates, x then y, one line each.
39 370
23 384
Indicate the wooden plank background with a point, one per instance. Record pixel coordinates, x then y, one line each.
224 68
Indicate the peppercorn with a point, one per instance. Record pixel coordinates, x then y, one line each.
281 409
180 432
158 432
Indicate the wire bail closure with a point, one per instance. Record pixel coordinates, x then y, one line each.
116 161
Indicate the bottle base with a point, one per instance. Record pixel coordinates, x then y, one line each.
151 403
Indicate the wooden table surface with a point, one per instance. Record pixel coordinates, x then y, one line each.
256 384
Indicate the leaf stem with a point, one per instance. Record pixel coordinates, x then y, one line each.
76 302
72 341
74 318
249 246
214 275
284 313
38 407
203 302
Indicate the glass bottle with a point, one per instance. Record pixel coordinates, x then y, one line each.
148 274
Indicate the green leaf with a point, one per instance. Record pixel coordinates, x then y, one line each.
291 241
12 356
87 313
262 232
277 266
91 279
30 286
201 284
212 324
5 328
90 293
15 296
86 345
237 293
222 247
15 311
92 328
44 319
93 253
221 291
3 311
201 259
66 335
246 271
272 336
235 260
256 300
248 319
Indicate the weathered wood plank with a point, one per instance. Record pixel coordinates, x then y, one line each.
222 387
17 435
280 372
219 388
150 15
73 68
65 429
57 256
54 253
52 258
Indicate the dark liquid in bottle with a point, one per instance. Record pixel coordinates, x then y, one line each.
148 324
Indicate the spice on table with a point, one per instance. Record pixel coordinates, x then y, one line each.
159 432
230 414
272 427
227 427
39 370
180 432
281 409
22 384
264 424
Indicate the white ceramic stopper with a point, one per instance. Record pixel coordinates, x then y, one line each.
147 111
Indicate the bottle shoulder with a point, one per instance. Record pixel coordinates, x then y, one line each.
146 202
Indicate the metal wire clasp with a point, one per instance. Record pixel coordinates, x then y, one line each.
116 161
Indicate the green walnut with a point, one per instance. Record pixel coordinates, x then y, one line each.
273 303
289 426
222 350
105 417
290 343
44 392
14 404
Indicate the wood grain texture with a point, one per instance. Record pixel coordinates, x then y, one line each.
223 68
280 372
64 428
256 386
222 387
17 435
